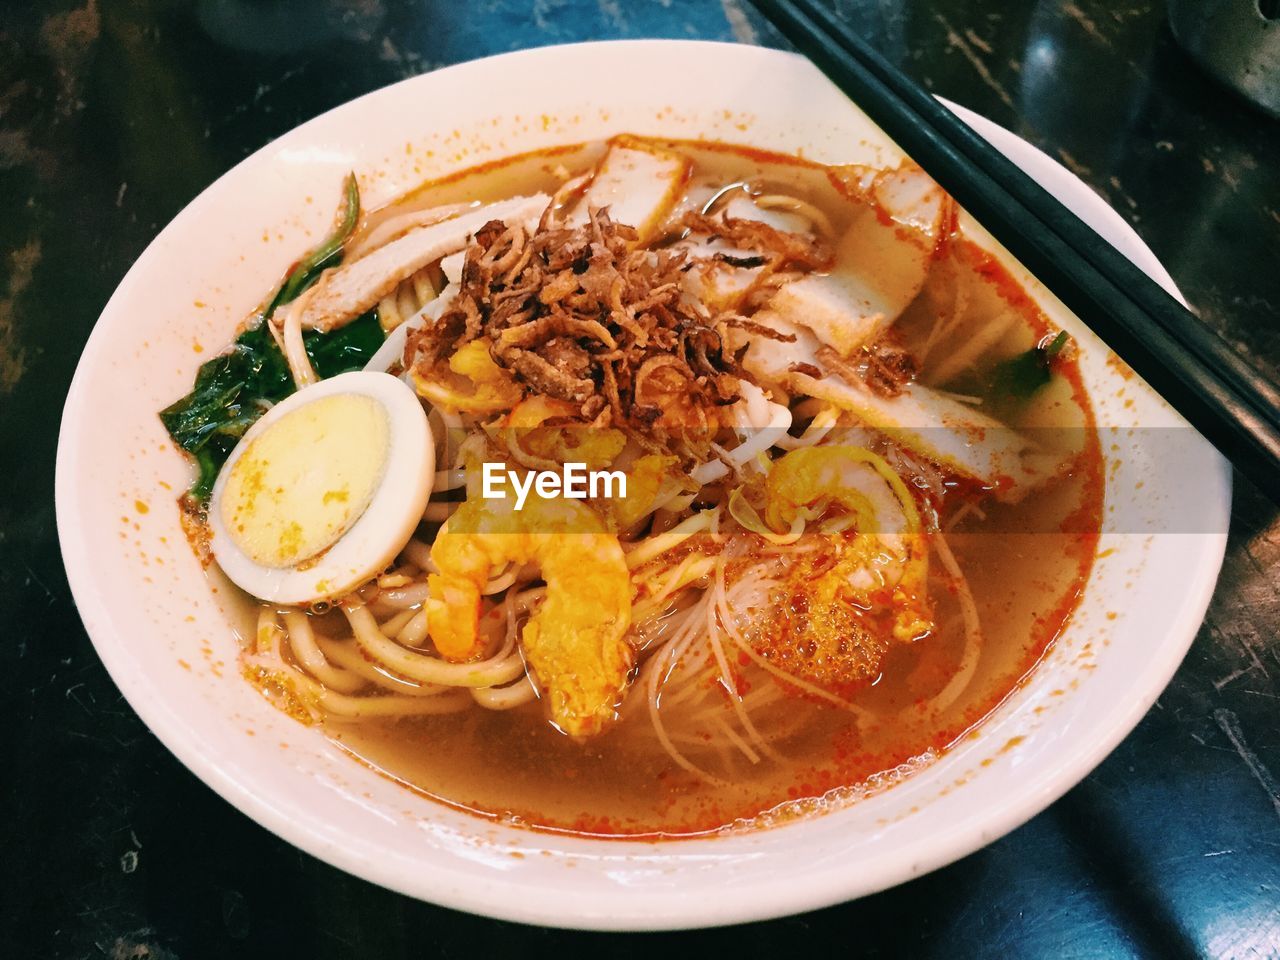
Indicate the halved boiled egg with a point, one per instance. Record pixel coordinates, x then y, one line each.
324 490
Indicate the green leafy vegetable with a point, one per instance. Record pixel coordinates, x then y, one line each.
347 348
328 254
230 393
1022 375
234 389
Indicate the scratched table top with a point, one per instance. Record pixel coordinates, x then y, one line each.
114 114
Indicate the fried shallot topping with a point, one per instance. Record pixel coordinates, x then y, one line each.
883 367
580 314
773 248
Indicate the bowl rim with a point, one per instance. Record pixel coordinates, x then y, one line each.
678 910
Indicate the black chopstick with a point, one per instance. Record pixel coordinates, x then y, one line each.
1232 404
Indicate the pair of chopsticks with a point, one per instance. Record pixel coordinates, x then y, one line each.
1233 405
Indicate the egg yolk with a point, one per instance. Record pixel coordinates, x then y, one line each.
305 480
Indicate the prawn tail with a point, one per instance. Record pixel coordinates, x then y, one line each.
453 611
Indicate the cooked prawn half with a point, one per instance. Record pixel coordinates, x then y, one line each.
891 555
575 641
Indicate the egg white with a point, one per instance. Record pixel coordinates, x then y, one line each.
382 530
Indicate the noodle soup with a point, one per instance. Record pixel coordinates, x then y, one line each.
864 490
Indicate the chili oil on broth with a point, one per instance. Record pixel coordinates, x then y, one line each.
1026 564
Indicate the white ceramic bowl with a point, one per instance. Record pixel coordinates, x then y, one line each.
167 633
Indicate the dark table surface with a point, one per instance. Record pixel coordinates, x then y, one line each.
114 114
